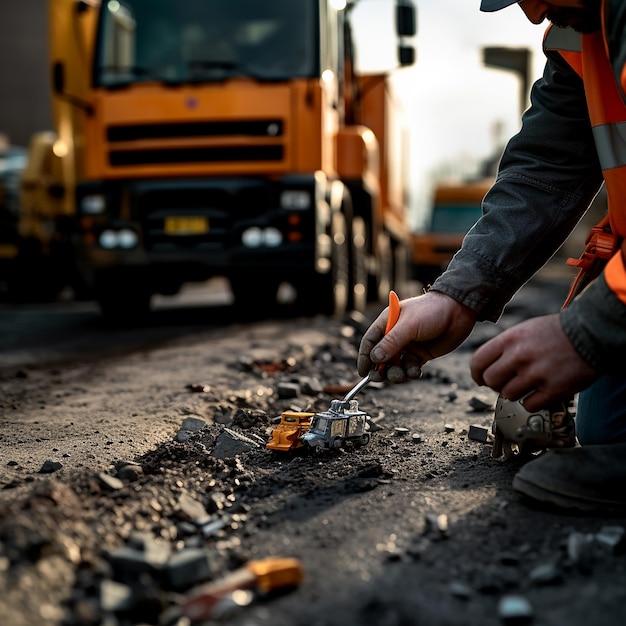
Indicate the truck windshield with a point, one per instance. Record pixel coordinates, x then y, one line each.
205 40
454 218
318 425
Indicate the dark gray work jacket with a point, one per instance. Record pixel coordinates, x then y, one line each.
548 176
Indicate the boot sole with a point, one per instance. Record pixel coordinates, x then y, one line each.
564 501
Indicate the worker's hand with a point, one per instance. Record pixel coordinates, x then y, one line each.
533 360
429 326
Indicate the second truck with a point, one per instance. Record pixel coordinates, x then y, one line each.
203 138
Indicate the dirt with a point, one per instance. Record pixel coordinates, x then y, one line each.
117 468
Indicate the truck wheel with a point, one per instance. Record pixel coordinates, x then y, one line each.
358 267
383 280
328 293
401 269
335 443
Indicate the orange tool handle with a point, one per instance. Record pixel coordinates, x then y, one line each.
394 311
392 318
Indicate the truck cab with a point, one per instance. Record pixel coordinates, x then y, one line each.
203 138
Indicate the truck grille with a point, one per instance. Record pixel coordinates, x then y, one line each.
254 128
222 208
227 152
196 155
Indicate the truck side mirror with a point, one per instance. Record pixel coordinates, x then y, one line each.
406 20
58 77
406 55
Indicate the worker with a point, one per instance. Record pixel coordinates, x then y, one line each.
568 145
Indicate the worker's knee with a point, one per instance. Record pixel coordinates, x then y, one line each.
601 414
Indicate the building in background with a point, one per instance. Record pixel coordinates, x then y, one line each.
24 74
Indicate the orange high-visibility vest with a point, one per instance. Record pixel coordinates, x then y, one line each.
588 56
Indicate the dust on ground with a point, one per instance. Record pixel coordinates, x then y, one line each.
130 480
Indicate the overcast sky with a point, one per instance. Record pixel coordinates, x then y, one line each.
457 108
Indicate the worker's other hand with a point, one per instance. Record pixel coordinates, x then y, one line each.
533 360
429 326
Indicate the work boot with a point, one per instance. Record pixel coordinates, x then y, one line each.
588 478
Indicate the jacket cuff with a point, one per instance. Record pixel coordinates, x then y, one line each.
595 323
475 282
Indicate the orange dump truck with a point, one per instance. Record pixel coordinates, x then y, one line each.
286 435
455 209
203 138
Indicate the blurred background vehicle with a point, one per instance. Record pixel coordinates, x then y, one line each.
455 208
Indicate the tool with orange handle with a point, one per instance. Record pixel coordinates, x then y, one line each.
263 576
392 318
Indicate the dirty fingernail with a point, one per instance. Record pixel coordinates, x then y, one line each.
378 354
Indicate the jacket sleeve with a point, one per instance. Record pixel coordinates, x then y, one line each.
595 323
548 176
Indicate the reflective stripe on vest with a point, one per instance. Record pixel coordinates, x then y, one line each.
587 55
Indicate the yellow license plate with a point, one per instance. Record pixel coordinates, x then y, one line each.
192 225
8 251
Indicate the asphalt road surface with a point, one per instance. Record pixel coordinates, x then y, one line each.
133 469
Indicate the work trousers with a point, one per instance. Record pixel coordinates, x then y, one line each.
601 413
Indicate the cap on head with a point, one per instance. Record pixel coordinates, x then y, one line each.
496 5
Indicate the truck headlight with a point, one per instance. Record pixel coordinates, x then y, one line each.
272 237
127 238
295 199
124 238
255 237
93 204
252 237
108 239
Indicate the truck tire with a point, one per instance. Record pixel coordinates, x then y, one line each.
335 443
382 282
327 294
401 269
358 295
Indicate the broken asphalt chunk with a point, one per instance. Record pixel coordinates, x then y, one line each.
460 590
110 482
186 568
478 404
614 537
247 418
189 426
228 445
437 523
546 574
288 390
50 466
199 388
129 471
115 597
478 433
580 550
515 609
190 508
